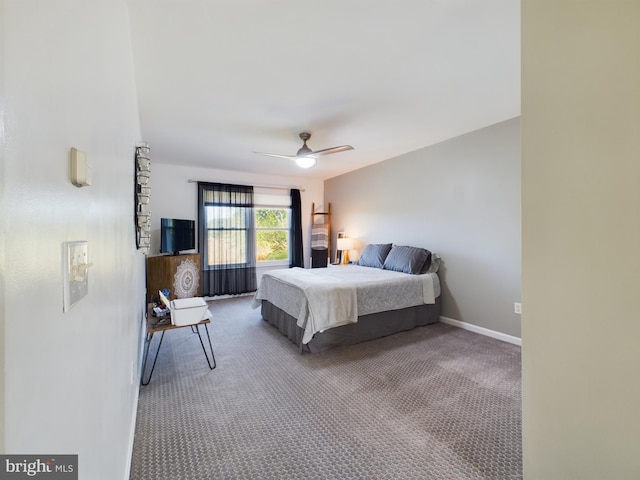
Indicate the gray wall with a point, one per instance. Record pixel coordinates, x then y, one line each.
581 239
460 199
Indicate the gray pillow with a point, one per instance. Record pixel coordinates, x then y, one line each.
406 259
374 255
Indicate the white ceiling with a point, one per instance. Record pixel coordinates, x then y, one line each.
220 79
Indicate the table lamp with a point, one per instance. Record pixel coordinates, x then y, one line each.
345 244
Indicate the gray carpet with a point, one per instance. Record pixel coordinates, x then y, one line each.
437 402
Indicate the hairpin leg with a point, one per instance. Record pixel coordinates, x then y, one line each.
210 347
147 346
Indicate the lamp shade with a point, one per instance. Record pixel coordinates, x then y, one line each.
345 244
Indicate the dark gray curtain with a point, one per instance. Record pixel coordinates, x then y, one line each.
296 258
226 238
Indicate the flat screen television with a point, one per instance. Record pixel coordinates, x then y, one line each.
177 235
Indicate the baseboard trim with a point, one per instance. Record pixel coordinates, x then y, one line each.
224 297
482 331
132 433
136 394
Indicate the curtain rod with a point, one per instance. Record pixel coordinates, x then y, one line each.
275 187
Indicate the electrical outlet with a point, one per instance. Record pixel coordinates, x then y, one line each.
517 308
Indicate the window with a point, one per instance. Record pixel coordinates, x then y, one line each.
227 235
272 224
272 234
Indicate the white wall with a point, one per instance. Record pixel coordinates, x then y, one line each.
172 196
581 239
68 82
2 241
460 199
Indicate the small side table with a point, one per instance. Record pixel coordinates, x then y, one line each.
162 324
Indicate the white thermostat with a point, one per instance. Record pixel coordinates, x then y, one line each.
80 170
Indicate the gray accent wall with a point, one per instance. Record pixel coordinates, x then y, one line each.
459 198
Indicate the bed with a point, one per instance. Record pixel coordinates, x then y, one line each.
391 289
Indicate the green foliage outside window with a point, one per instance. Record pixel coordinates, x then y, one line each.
272 237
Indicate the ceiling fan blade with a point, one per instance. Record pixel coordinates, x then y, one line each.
288 157
327 151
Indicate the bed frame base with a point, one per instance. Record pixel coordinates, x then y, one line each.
368 327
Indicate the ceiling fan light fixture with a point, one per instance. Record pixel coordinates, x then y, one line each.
305 162
306 158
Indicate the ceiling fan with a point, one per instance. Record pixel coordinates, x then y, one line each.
306 157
